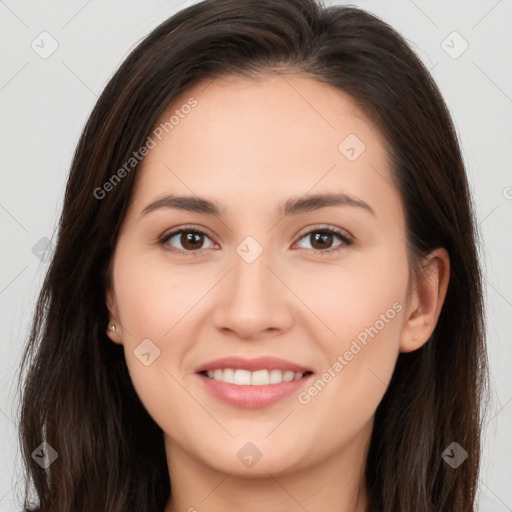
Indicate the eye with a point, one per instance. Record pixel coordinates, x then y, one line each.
190 238
321 240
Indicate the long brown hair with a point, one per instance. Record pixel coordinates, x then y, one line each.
76 390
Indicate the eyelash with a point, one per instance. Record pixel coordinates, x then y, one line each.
196 230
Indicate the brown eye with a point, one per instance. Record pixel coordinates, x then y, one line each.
322 240
191 241
187 240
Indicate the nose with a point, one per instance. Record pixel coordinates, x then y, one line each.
254 301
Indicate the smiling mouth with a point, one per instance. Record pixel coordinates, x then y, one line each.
241 377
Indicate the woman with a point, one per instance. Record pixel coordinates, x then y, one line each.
266 292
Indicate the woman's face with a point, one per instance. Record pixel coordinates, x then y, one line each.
301 273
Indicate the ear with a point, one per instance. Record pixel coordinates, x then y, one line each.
426 297
111 302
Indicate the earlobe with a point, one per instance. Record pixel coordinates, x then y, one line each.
426 300
113 330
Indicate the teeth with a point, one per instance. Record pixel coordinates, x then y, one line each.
288 376
276 376
257 378
227 375
242 377
260 378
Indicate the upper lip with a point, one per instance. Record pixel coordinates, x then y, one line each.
258 363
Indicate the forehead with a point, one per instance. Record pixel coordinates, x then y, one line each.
296 108
274 137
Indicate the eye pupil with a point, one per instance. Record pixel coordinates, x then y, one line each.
189 239
321 237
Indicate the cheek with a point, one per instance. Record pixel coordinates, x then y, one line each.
153 297
360 301
155 303
362 310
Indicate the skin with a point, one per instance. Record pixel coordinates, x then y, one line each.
250 145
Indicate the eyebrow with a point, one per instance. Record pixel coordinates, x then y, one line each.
292 206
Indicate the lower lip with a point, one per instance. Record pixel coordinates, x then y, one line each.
252 397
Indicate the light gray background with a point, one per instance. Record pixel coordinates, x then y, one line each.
44 104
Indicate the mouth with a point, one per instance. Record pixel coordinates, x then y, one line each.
263 377
253 383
